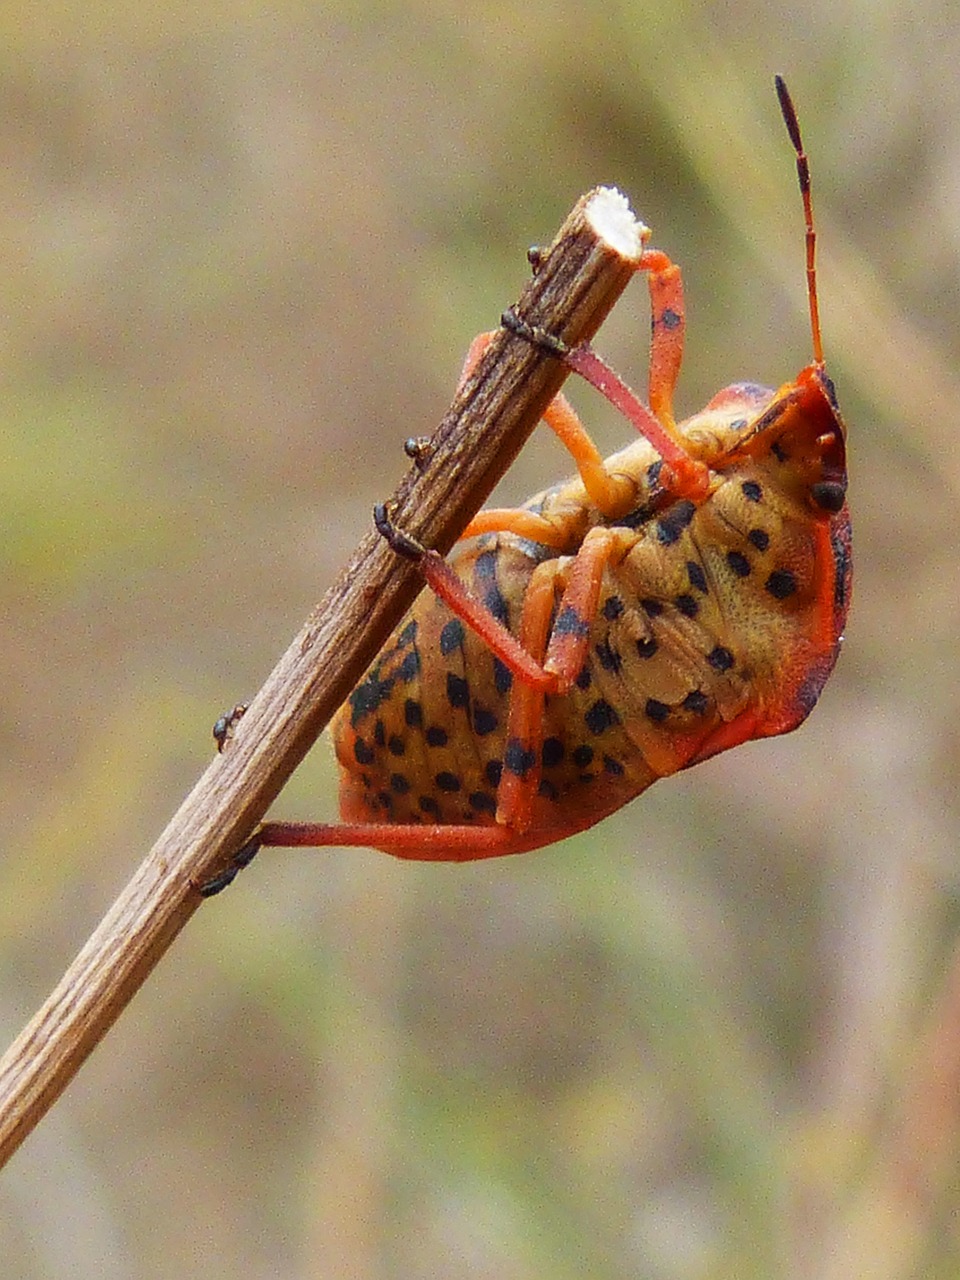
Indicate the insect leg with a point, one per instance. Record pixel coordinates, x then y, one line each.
522 756
684 475
570 636
420 843
525 524
468 608
667 324
476 349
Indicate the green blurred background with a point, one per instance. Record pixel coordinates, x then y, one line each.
241 257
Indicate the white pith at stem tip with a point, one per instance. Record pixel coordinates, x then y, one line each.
609 214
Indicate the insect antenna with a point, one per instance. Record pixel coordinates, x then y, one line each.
803 173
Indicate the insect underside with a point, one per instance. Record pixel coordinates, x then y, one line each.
663 605
675 628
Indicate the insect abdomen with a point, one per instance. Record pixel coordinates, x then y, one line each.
423 738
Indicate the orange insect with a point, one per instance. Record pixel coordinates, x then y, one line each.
685 595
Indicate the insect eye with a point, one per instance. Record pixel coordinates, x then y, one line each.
828 495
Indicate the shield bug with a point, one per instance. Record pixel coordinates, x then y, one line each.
682 596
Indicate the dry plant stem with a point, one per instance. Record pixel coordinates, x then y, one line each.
577 281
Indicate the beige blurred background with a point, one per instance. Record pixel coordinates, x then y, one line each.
240 260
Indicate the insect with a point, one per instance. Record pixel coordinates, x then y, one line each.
683 596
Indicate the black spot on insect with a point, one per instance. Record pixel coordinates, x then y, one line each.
518 759
399 783
751 491
759 538
367 697
451 636
696 701
570 623
537 503
738 424
485 568
584 678
412 714
427 804
583 756
656 711
396 745
610 660
437 736
739 563
672 523
535 551
612 608
639 516
829 495
779 452
385 800
446 781
408 634
409 668
687 605
808 694
379 734
458 691
652 608
647 647
601 716
841 558
552 753
611 766
653 472
697 576
484 721
548 790
485 571
670 319
363 753
502 677
497 605
492 771
483 802
781 584
720 658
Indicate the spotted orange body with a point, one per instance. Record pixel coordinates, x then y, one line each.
683 596
715 622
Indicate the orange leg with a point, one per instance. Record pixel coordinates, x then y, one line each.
686 476
666 332
570 638
426 843
449 587
525 524
522 761
613 494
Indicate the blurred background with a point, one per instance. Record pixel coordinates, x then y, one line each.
241 257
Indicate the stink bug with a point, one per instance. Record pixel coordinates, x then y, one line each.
684 595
